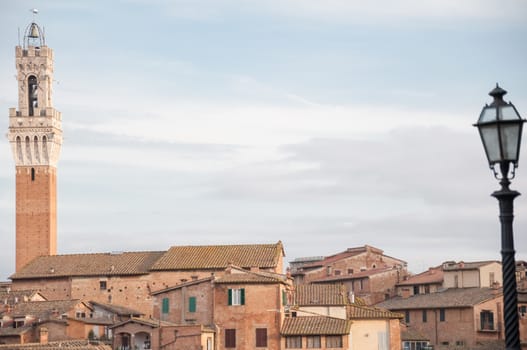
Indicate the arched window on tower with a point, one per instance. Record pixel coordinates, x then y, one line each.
32 89
28 150
37 153
45 149
19 153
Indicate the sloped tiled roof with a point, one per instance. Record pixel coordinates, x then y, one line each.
452 266
144 321
342 255
449 298
43 309
117 309
434 275
184 284
366 312
12 297
58 345
315 325
247 278
236 274
98 264
220 256
412 334
11 331
356 275
320 294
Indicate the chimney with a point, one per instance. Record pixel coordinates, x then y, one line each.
43 335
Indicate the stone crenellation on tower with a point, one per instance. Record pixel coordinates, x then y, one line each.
35 135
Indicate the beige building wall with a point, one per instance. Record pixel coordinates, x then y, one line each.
370 334
331 311
461 279
491 273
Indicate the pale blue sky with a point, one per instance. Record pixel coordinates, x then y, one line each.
324 124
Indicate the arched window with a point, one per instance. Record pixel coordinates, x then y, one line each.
28 150
32 93
19 153
45 149
37 153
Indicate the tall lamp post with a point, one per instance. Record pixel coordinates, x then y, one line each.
500 127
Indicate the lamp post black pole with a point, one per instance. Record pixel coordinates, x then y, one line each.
506 197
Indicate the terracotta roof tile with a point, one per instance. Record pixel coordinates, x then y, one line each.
453 266
17 296
98 264
356 275
117 309
220 256
365 312
449 298
432 276
44 309
248 278
320 294
315 325
58 345
184 284
149 322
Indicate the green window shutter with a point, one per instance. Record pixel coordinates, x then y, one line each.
284 298
242 296
165 306
230 296
192 304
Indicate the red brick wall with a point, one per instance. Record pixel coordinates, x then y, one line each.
179 304
36 213
261 310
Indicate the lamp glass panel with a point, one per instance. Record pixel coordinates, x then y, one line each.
508 113
510 134
488 114
489 136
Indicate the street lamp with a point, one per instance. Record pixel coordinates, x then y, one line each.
500 127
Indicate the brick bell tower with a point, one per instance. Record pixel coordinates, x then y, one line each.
35 135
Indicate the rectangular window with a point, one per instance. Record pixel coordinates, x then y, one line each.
407 317
102 285
424 315
165 306
487 320
237 296
192 304
284 297
442 316
361 284
261 337
313 341
230 338
416 290
333 341
491 278
293 342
